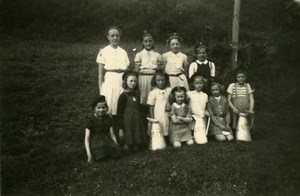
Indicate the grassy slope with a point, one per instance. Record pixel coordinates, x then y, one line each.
46 90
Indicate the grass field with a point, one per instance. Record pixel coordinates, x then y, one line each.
46 89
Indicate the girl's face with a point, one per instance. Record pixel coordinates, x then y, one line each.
113 37
160 81
100 109
175 45
131 82
179 97
148 43
215 91
202 54
198 84
241 78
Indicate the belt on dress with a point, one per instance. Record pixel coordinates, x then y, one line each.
176 75
115 70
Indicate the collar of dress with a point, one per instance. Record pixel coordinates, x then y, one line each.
202 62
176 105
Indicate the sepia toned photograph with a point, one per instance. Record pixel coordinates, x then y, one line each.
144 97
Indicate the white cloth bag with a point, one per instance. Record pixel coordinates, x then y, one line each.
157 141
242 128
200 130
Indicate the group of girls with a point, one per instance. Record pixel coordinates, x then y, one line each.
162 87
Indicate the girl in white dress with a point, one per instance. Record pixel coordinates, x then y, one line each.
158 100
198 102
113 61
176 63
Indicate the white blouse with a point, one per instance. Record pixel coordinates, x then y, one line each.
113 58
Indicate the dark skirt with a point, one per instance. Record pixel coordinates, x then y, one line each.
103 146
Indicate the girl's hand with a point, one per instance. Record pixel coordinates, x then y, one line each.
206 113
228 127
121 134
90 159
236 111
168 107
251 111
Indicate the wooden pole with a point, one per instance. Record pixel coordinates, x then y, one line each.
235 33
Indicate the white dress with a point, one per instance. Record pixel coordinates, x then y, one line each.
112 58
149 63
174 68
198 101
159 99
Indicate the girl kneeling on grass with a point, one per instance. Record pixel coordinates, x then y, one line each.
220 115
130 117
180 117
100 140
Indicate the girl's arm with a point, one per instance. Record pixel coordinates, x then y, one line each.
137 62
185 119
213 118
112 135
101 75
160 63
212 71
236 111
87 145
188 118
151 108
175 119
186 66
120 111
251 109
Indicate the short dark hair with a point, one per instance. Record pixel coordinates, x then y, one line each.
160 73
174 36
199 46
126 75
113 27
176 90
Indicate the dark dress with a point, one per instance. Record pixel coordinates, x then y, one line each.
204 70
220 115
101 143
131 119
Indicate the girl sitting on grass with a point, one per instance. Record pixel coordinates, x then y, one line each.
180 118
130 118
100 140
158 100
219 114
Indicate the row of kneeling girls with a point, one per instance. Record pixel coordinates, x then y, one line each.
159 90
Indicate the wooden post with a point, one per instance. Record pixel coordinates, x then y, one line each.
235 33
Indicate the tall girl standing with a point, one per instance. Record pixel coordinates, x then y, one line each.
146 63
113 61
130 118
176 63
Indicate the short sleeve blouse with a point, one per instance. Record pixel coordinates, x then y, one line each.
236 89
174 62
148 59
113 58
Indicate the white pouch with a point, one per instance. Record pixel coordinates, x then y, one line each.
157 141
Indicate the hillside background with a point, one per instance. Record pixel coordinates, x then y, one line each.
49 76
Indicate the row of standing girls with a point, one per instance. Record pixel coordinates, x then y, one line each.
122 105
